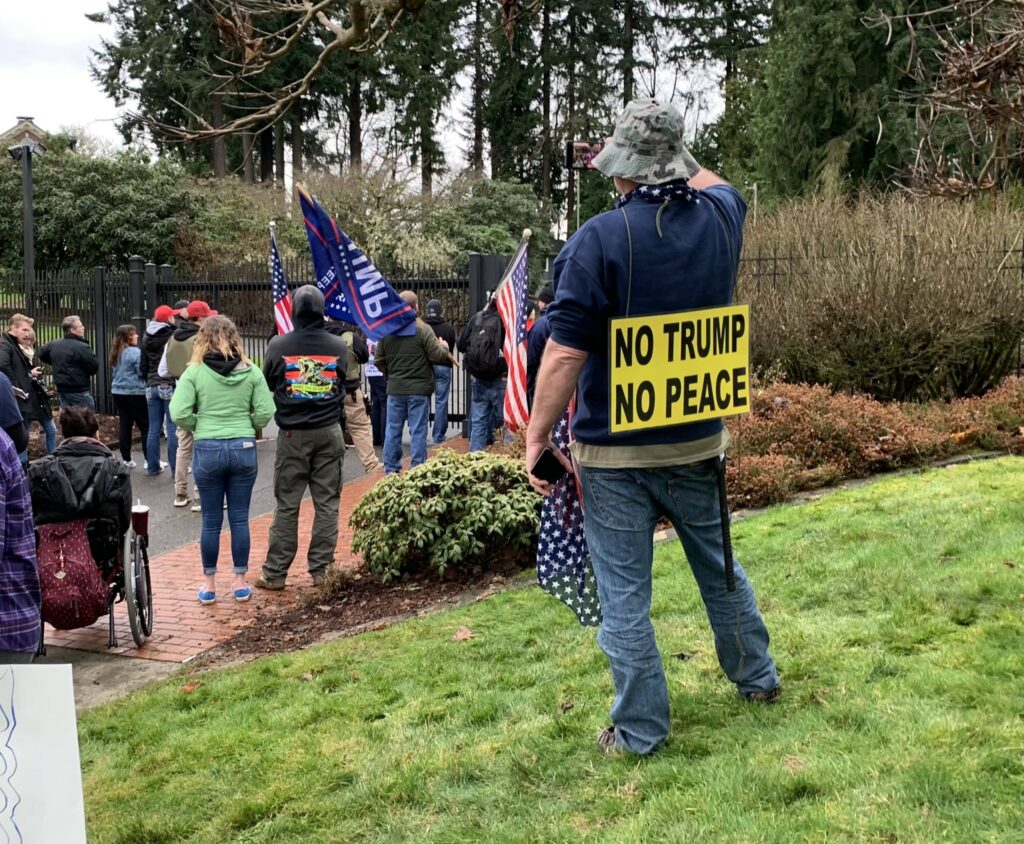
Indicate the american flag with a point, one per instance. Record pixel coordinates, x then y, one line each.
279 286
563 561
513 305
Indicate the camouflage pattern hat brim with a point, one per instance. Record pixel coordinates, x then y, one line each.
647 146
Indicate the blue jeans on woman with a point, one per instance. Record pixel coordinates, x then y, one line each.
416 409
225 467
158 402
442 387
623 506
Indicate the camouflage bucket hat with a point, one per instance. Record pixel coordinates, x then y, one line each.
647 146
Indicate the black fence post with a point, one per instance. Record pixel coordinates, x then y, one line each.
163 285
137 291
102 340
151 300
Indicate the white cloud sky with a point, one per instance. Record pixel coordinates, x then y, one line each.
44 66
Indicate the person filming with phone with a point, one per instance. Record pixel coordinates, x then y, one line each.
671 244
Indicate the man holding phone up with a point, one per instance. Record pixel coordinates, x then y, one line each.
671 244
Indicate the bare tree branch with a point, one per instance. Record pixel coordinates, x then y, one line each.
251 50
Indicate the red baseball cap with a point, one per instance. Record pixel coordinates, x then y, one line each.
199 310
165 313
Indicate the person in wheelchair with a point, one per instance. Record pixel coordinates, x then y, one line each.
83 486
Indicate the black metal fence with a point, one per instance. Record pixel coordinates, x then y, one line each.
105 299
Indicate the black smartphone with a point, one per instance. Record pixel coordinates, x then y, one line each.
548 467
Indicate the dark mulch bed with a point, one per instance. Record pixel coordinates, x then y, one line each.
109 432
354 602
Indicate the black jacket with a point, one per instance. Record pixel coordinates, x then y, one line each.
152 348
82 479
14 364
443 331
306 369
73 362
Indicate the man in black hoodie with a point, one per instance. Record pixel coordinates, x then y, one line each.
74 364
442 371
306 370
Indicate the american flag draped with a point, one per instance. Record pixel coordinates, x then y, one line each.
279 286
354 291
513 306
563 561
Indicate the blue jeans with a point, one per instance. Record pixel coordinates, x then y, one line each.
158 401
486 413
49 431
442 387
225 467
75 399
416 409
622 508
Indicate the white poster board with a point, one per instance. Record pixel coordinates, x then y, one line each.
40 772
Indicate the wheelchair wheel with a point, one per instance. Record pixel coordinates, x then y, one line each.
138 595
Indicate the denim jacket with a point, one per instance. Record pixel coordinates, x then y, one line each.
127 380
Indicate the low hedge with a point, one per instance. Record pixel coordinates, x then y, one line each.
801 437
900 300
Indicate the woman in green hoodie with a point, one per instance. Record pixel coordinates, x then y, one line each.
222 398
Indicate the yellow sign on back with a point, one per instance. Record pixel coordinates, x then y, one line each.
688 366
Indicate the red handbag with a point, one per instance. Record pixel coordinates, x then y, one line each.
74 592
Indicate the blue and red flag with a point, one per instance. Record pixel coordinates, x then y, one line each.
354 291
513 305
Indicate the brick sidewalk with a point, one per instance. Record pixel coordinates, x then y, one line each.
184 628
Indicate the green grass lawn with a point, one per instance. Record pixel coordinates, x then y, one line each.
896 613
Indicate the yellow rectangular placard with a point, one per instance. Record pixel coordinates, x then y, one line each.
688 366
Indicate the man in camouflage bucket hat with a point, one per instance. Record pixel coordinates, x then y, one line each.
647 146
671 244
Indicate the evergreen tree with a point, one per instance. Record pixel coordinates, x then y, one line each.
510 109
421 64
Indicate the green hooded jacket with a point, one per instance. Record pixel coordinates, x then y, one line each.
222 399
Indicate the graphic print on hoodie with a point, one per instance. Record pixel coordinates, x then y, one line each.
313 377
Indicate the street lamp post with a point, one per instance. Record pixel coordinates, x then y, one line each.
23 153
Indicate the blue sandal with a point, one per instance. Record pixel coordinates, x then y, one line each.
207 597
244 594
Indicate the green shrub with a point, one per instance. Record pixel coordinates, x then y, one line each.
456 511
899 300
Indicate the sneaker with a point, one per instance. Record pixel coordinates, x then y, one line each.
131 464
769 696
269 585
319 579
243 594
606 741
197 507
207 597
157 472
180 501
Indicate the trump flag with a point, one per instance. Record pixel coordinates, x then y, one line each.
354 291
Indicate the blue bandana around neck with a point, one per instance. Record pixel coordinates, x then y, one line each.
661 193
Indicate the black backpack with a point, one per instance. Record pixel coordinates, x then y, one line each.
483 358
